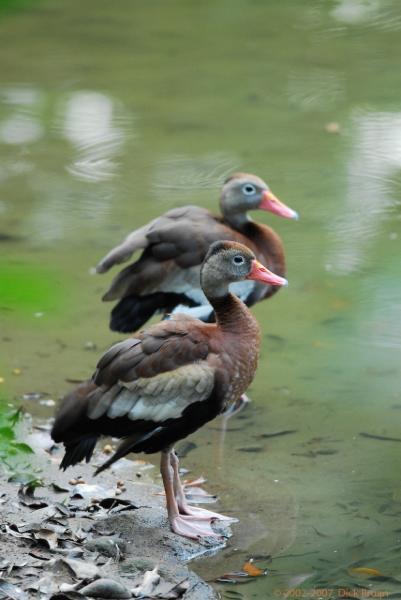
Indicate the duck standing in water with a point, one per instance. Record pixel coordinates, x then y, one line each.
165 278
166 382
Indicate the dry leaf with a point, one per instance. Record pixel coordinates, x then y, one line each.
252 570
370 571
150 581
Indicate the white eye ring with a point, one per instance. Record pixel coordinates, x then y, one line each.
248 189
238 260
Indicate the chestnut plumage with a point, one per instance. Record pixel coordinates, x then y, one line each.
166 275
167 381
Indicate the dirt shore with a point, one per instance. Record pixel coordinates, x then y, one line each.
76 530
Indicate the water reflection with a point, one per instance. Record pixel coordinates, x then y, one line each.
93 126
22 126
329 375
375 160
380 14
175 176
383 329
315 89
97 127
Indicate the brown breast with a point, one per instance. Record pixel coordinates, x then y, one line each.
236 341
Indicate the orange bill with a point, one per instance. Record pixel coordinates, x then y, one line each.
260 273
271 203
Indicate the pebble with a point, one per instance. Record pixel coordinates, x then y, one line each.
47 402
106 588
106 545
332 127
90 345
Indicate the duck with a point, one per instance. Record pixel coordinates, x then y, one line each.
165 278
164 383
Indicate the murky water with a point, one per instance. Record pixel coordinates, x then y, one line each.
113 112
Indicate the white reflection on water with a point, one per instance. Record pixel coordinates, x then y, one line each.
368 199
378 14
20 129
22 126
355 11
382 328
175 176
94 127
20 95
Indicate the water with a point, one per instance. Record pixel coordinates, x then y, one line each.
113 113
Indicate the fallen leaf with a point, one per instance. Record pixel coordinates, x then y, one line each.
11 591
365 571
26 497
57 488
81 568
150 581
252 570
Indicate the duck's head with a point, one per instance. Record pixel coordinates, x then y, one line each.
228 262
243 192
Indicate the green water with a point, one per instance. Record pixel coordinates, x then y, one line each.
111 113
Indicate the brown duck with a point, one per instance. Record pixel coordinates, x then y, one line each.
167 381
165 278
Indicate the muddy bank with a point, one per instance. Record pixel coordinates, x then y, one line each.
76 530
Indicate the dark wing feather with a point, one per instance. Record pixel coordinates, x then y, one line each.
177 240
135 374
163 347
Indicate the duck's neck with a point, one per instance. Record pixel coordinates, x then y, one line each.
233 316
237 220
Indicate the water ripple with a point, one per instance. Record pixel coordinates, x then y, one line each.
315 89
375 14
22 126
369 200
177 175
94 124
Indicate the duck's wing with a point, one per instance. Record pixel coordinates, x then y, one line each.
175 242
166 274
178 234
152 389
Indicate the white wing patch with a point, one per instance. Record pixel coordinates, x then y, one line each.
158 398
197 312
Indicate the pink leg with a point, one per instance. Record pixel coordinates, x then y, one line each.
183 506
186 525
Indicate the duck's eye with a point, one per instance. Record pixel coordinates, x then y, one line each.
248 189
238 260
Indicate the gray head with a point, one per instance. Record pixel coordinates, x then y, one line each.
227 262
243 192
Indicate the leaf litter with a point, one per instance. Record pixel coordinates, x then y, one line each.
79 550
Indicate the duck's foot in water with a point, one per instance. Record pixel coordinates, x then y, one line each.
184 509
192 527
202 513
